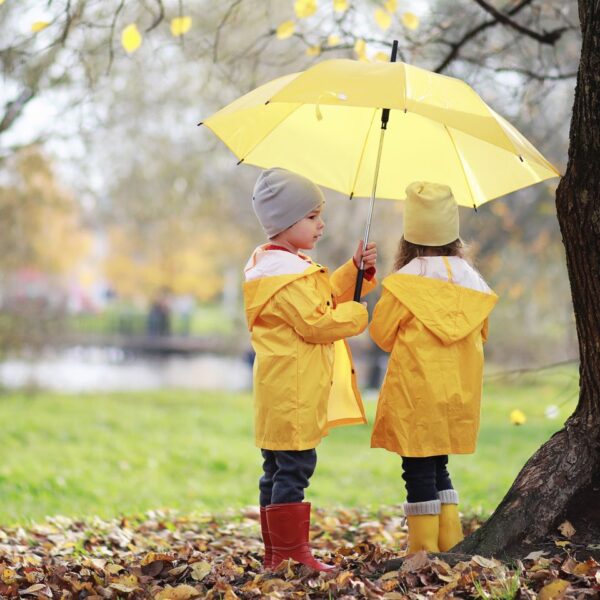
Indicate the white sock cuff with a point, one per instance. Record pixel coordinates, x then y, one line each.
448 496
430 507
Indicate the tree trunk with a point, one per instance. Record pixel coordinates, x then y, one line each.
562 479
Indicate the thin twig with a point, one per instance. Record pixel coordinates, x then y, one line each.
159 18
220 27
111 52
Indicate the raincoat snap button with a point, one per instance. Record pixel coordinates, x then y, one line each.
328 303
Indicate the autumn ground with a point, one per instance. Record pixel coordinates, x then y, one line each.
127 454
164 556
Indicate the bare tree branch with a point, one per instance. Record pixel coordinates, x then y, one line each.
548 37
14 109
472 33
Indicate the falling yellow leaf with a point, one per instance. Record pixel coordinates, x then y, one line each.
517 417
567 529
340 5
285 30
554 589
180 25
333 40
313 51
391 5
383 18
410 20
360 47
39 26
381 57
131 38
305 8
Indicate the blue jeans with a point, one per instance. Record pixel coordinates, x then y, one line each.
425 477
286 474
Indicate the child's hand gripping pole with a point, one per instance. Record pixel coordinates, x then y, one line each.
365 259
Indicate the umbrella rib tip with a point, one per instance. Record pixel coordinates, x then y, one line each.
201 123
239 162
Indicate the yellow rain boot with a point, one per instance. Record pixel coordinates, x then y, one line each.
423 525
450 526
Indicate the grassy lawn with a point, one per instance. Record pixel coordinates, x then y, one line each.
124 453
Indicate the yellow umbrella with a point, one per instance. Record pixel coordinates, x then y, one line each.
326 123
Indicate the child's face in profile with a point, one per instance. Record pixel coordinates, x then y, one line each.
304 234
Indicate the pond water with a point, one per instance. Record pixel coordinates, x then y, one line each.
110 369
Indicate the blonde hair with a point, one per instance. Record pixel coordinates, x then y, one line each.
407 251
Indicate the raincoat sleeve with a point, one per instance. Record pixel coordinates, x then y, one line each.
343 282
299 305
388 316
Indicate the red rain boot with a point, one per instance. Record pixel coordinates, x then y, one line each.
264 529
288 528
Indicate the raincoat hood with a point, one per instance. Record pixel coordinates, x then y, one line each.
450 311
267 272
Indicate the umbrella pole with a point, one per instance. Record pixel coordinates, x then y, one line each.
361 271
385 115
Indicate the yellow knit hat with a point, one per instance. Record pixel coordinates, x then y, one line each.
430 214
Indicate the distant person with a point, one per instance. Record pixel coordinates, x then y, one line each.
433 318
159 316
296 311
184 307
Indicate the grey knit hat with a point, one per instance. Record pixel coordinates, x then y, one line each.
281 198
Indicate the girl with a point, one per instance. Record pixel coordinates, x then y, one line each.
433 318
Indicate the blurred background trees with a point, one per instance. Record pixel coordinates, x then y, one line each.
110 193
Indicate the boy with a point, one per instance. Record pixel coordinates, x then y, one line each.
304 381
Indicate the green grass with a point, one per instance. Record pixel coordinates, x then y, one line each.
124 453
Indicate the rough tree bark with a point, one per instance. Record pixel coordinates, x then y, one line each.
562 479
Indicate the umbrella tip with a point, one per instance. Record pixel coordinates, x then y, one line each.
521 158
351 195
475 206
201 123
239 162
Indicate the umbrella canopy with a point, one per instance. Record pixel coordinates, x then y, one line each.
324 123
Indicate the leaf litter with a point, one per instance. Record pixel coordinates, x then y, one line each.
168 556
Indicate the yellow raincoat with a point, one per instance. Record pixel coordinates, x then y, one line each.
430 399
299 315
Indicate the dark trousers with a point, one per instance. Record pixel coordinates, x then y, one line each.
425 477
285 475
